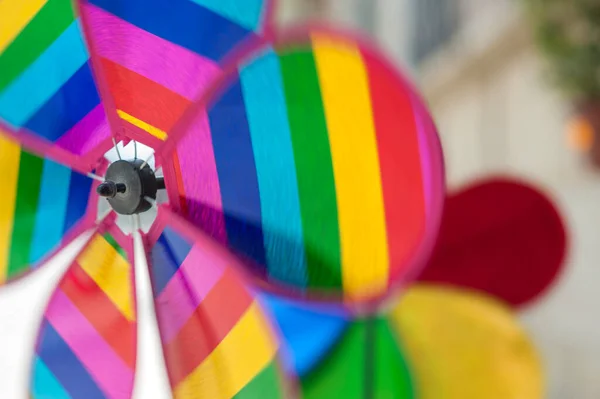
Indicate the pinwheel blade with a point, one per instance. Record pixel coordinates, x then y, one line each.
47 89
43 206
365 363
318 164
156 57
86 346
463 344
216 340
308 331
502 237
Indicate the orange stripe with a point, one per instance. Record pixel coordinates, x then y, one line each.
207 327
143 98
111 272
99 310
400 163
242 355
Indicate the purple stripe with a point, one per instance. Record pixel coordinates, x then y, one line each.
200 178
113 376
168 64
196 277
87 133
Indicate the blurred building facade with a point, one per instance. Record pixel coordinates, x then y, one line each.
480 73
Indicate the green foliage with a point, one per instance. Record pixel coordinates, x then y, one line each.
568 35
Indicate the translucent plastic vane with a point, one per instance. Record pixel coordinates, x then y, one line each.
216 340
319 165
42 207
157 56
46 83
366 362
462 344
87 342
309 331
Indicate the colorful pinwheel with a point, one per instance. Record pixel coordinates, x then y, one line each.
284 156
434 342
454 333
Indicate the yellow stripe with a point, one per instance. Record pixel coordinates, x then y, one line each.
142 125
347 101
111 272
10 154
15 15
244 353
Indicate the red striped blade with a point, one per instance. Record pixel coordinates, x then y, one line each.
152 58
216 339
86 346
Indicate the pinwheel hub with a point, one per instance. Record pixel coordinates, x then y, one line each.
130 186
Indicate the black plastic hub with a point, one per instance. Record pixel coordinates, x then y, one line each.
127 185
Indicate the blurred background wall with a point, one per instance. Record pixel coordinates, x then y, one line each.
476 65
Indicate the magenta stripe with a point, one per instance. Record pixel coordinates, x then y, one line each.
104 365
87 133
168 64
200 180
196 277
424 131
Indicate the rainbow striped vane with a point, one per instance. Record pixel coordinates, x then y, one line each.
320 128
297 160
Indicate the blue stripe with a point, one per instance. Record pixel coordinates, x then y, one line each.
180 247
274 156
44 384
65 366
38 83
163 266
52 208
309 332
79 196
181 22
248 13
237 174
69 105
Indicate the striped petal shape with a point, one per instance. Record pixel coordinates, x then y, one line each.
216 341
46 85
42 207
319 165
87 343
156 56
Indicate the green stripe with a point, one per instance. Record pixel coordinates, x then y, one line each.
113 243
340 375
369 366
314 169
43 30
391 374
351 371
28 190
266 385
